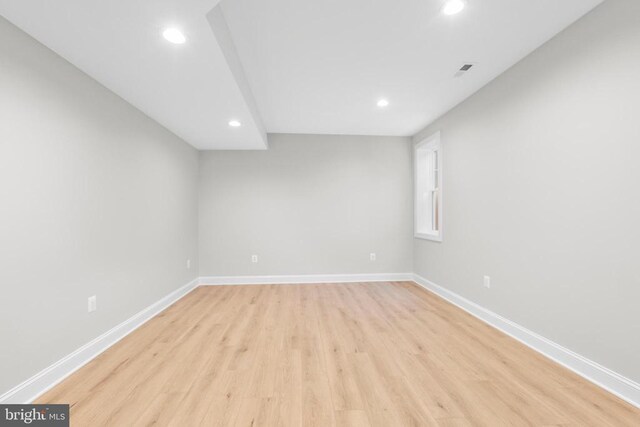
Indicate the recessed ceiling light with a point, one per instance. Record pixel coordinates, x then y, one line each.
383 103
235 124
451 7
174 36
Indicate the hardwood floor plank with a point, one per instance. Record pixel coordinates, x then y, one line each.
361 354
352 418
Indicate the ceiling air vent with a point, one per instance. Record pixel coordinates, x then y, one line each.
464 69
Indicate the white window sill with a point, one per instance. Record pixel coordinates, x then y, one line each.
426 236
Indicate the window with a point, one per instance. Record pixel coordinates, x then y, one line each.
428 188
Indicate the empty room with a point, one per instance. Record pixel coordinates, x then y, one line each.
320 213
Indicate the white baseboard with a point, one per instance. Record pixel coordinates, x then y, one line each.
613 382
44 380
308 278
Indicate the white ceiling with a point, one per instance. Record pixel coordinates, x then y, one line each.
189 88
319 66
291 66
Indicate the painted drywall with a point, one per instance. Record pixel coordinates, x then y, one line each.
95 199
311 204
541 191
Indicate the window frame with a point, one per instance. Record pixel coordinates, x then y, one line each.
431 142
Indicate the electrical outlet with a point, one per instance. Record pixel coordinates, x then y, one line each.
254 258
372 256
487 282
92 304
188 264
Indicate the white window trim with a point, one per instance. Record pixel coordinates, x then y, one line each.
433 140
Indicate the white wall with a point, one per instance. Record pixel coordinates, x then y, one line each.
311 204
542 191
95 199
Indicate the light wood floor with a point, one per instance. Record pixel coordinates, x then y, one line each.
379 354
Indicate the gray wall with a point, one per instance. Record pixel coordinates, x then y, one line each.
542 193
310 204
95 199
